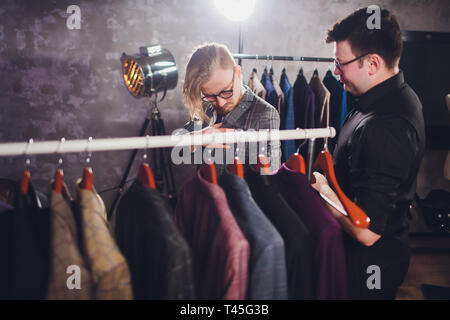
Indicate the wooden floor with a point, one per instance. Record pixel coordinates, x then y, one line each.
430 264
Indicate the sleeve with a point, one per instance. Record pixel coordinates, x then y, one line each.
382 160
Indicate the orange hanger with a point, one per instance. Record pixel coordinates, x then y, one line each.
145 176
296 163
263 164
24 182
357 215
208 171
59 179
237 168
87 181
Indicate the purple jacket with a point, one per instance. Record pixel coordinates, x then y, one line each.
329 256
220 252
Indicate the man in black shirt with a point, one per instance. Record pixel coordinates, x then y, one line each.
378 153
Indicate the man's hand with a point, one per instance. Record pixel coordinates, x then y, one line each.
364 236
320 183
216 128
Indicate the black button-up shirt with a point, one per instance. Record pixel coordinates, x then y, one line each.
378 155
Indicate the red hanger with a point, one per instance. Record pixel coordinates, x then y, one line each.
87 181
24 182
296 163
145 176
59 179
208 171
263 164
237 168
357 215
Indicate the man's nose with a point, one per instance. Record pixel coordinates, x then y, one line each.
336 71
221 101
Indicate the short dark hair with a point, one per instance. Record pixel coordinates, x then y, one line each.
386 41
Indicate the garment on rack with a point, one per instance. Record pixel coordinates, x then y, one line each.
322 102
256 86
30 243
109 270
287 117
377 159
220 251
157 254
297 239
336 108
7 191
267 265
271 96
65 251
6 223
329 264
304 107
280 94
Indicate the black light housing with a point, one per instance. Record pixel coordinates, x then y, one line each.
152 70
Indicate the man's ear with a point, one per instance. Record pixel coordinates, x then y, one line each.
375 62
238 72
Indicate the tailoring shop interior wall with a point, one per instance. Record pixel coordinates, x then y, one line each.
57 82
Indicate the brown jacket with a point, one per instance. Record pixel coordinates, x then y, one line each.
65 252
110 273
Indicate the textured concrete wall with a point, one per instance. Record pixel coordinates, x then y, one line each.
57 82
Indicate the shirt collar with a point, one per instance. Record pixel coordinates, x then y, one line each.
365 102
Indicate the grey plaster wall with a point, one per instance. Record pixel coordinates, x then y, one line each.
56 82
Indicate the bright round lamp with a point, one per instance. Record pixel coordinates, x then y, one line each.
236 10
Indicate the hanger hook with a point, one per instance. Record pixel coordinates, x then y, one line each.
89 153
146 147
27 159
58 151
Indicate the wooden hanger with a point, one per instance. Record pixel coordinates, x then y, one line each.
296 163
237 168
59 175
263 164
59 180
208 172
87 181
25 181
145 176
356 214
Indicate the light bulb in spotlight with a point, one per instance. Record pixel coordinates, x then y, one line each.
236 10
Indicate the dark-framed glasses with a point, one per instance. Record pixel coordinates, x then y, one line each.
339 65
224 94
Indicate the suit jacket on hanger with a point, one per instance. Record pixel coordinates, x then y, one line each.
329 262
256 86
158 256
219 249
267 266
109 270
65 251
297 238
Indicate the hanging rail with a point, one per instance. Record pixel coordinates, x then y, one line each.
283 58
111 144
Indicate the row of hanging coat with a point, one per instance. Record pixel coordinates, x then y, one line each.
256 234
56 247
319 103
240 235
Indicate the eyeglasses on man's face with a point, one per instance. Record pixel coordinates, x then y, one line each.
339 65
224 94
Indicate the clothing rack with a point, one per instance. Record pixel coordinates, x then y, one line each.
148 142
282 58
